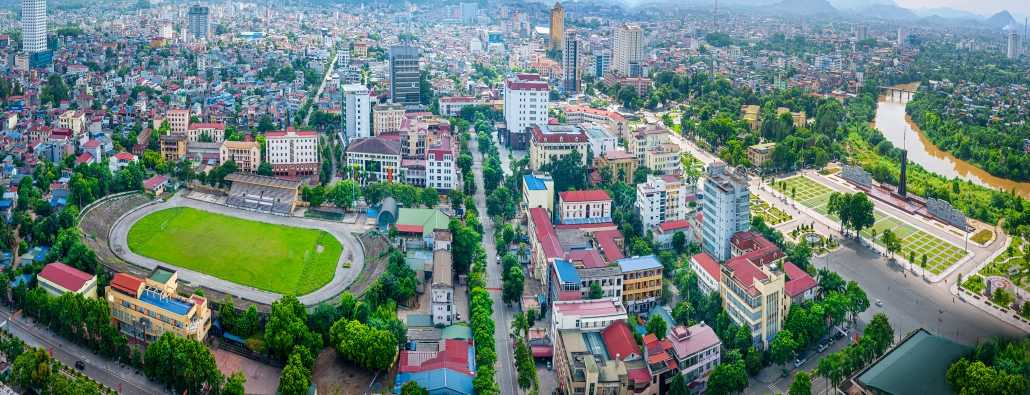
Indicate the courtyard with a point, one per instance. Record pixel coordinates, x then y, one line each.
940 254
276 258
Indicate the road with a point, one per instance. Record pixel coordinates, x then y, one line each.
321 86
505 377
352 250
98 368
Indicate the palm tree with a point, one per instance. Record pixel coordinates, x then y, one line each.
7 237
923 264
873 233
521 253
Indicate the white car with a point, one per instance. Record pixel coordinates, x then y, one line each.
878 303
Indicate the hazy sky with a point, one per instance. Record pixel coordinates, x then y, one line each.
985 7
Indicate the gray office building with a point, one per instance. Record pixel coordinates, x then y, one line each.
199 22
404 76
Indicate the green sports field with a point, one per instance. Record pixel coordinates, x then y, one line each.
260 255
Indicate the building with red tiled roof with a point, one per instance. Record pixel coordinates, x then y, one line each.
450 354
752 287
543 243
708 273
58 279
799 286
581 207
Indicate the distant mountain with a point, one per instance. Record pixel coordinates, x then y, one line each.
858 4
948 13
888 12
1001 20
800 7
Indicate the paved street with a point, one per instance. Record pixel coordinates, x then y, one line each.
352 250
321 87
506 375
100 369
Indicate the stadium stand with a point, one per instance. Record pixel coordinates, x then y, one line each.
264 194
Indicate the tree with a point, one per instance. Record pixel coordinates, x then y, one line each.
595 291
881 332
782 347
679 241
265 124
525 379
287 328
802 384
514 284
429 197
234 384
265 169
727 378
295 378
366 346
32 369
455 197
891 242
656 326
412 388
184 363
678 386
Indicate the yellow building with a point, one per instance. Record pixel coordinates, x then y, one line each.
753 295
538 191
557 26
641 283
147 308
58 279
246 154
760 153
750 114
622 163
556 141
74 120
800 119
173 146
582 370
387 117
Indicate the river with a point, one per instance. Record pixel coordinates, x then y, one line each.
892 120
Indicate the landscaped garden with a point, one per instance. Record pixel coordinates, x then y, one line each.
772 215
940 254
1013 264
983 236
278 258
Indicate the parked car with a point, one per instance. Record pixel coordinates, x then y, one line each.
823 345
800 360
879 303
80 365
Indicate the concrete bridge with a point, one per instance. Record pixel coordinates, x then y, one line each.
900 93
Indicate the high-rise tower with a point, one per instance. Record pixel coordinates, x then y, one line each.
557 26
628 48
33 26
199 22
570 63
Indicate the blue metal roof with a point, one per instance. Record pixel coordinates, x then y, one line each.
566 271
638 263
534 183
592 220
440 381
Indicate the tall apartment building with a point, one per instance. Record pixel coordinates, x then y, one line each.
357 108
199 23
388 117
641 283
1015 45
628 48
570 63
404 76
526 100
861 32
602 63
147 308
661 199
557 26
292 153
33 26
753 295
246 154
902 37
726 209
178 121
469 12
442 165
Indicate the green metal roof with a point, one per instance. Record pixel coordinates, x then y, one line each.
161 275
456 332
916 366
428 219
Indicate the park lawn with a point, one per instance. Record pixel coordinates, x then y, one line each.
270 257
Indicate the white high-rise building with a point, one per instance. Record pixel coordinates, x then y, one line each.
526 100
1015 45
861 32
468 12
902 37
230 10
628 48
661 199
570 63
726 209
358 107
33 26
